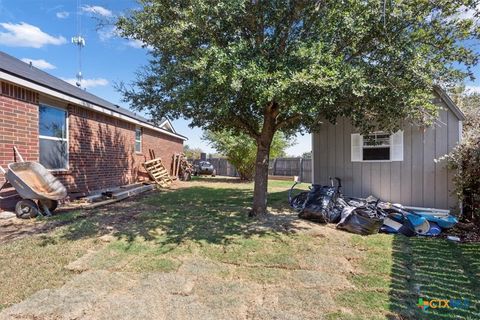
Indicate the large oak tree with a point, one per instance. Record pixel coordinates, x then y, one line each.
262 66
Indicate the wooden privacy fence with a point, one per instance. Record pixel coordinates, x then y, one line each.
277 167
223 167
291 167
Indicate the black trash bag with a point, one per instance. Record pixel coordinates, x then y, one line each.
335 214
297 202
362 221
319 204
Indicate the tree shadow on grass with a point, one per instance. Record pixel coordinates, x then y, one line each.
429 269
200 214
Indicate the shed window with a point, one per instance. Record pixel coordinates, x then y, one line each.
377 146
53 137
138 140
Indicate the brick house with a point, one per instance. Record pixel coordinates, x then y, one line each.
87 142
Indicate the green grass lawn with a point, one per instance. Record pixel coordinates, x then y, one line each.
203 227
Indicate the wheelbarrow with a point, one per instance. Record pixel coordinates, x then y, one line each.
32 181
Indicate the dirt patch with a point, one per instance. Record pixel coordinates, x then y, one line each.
13 229
468 233
187 255
200 289
115 215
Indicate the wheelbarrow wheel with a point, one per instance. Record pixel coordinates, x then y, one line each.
26 209
50 204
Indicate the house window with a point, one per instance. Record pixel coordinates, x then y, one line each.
53 137
138 140
377 146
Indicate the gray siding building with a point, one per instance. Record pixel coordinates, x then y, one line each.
400 167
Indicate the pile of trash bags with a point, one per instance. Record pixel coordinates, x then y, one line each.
326 204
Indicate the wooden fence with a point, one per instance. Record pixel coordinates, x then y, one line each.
277 167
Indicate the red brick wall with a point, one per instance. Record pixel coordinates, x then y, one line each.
102 151
101 147
18 127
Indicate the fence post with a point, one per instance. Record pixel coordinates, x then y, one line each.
301 169
274 167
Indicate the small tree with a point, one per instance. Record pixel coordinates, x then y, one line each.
241 149
192 153
307 155
465 159
257 67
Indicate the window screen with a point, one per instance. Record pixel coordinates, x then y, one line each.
53 154
138 140
53 137
376 146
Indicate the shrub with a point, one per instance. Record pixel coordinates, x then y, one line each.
465 160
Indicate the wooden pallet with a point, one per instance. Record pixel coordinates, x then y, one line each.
181 167
158 172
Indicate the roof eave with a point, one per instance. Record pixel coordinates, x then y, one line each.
7 76
449 102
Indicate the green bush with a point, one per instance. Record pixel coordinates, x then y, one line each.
465 160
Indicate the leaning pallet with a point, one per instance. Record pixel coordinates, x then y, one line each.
158 172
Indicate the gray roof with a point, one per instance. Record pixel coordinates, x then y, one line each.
23 70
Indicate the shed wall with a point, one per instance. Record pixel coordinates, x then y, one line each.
416 181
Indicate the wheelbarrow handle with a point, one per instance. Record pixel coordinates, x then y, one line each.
3 170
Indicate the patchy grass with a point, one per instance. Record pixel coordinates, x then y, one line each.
200 234
36 263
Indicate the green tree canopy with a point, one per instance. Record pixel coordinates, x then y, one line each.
241 149
465 158
192 153
258 66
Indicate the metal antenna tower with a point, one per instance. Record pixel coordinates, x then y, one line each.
79 41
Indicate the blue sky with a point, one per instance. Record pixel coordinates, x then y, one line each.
41 31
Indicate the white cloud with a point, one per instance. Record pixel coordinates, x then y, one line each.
88 83
107 33
134 43
62 14
26 35
97 10
466 13
472 89
40 63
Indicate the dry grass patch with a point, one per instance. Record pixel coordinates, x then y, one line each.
192 252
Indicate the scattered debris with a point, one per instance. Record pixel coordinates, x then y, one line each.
103 198
326 204
453 238
158 172
181 168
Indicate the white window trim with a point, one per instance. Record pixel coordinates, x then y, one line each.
66 139
141 140
361 147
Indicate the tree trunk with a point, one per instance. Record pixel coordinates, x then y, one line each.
261 177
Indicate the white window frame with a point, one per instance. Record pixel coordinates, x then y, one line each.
66 139
395 145
139 141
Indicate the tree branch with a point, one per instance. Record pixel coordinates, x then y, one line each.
288 121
